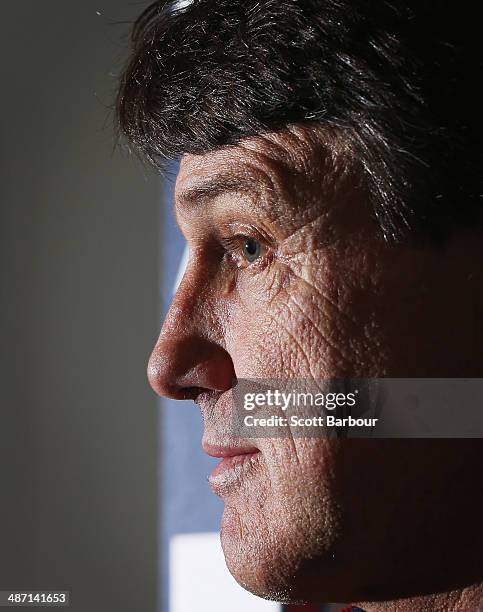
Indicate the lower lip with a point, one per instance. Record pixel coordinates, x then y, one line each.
231 472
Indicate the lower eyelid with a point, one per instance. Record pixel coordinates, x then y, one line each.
232 246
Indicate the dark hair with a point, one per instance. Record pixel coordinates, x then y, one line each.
401 81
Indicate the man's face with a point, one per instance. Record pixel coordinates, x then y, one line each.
288 277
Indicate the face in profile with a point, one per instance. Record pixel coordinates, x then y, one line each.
288 277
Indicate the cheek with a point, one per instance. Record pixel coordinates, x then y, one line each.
315 322
288 514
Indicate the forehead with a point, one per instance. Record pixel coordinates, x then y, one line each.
266 159
252 159
290 148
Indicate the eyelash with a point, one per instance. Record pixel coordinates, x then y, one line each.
232 245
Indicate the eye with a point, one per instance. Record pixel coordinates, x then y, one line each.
244 249
251 249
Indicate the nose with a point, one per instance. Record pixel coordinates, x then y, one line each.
185 362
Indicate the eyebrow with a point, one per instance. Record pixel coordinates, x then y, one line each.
202 191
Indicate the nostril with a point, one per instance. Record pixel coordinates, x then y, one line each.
166 382
191 393
183 367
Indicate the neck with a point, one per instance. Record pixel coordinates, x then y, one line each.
468 599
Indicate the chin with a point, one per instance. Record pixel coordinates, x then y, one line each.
252 563
275 558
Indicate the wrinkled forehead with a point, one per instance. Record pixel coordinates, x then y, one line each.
269 153
273 160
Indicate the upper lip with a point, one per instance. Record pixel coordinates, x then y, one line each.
217 444
222 451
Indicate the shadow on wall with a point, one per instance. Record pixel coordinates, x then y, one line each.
80 239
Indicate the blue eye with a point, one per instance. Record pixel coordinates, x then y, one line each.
243 249
251 249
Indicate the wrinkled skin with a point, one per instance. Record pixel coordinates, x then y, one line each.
318 519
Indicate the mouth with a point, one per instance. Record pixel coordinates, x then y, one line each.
235 466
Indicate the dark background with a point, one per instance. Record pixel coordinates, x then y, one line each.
80 300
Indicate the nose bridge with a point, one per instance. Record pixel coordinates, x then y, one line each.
189 353
179 317
188 306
